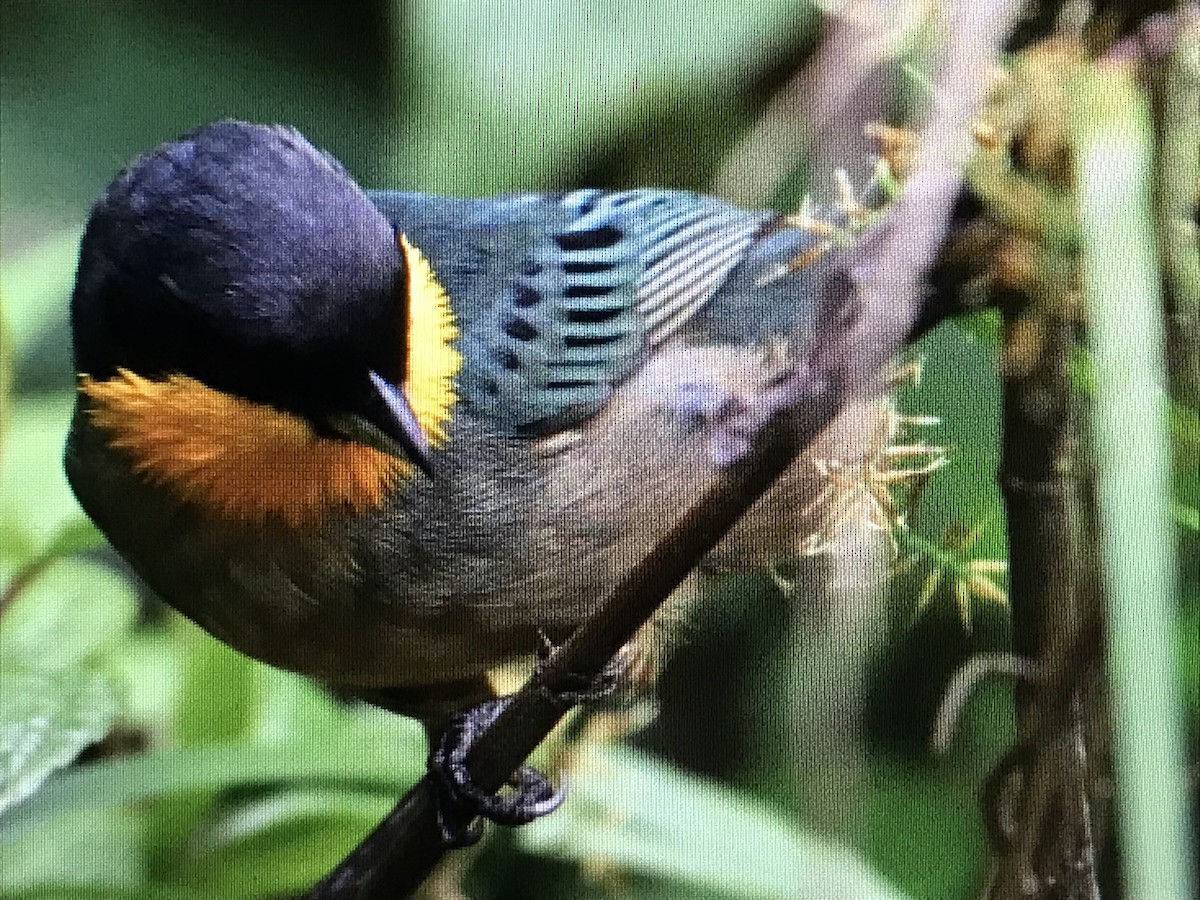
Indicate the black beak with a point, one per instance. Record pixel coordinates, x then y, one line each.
400 423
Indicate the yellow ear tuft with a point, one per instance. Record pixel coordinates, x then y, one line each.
433 360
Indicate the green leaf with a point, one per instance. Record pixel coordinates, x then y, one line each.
1186 516
24 559
220 696
982 328
90 850
149 662
959 386
587 69
72 610
630 810
6 373
36 285
35 499
1188 649
284 843
362 756
1116 145
46 718
902 805
76 891
53 702
294 707
75 535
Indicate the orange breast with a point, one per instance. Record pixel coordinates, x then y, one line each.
233 457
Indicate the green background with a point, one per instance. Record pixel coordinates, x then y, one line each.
220 777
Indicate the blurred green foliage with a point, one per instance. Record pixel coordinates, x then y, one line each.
204 774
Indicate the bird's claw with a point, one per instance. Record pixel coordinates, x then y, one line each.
461 802
581 688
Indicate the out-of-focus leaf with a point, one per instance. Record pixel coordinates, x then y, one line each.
1189 659
51 890
958 386
1187 516
53 701
282 844
1116 144
35 499
1185 425
217 699
36 284
23 559
660 889
930 860
6 373
75 535
294 706
220 694
149 662
47 716
72 610
226 695
362 757
1182 420
982 328
93 849
521 89
289 808
628 810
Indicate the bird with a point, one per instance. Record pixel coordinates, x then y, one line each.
389 439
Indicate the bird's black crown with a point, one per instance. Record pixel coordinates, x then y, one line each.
243 256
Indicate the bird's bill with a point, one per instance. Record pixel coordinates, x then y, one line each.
400 423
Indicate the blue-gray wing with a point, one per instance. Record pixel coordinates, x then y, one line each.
561 296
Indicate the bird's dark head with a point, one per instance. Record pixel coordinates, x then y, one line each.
240 268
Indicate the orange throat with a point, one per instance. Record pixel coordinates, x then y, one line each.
238 459
250 462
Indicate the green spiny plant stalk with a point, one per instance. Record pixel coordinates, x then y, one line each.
1114 141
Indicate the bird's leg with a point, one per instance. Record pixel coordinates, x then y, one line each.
454 715
578 688
531 794
461 803
732 407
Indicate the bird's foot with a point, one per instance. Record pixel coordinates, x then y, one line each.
578 688
461 802
735 416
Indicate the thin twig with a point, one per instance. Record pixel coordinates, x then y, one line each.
965 683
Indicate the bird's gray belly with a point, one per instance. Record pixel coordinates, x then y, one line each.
301 599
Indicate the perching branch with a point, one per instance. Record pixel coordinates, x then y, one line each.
867 310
